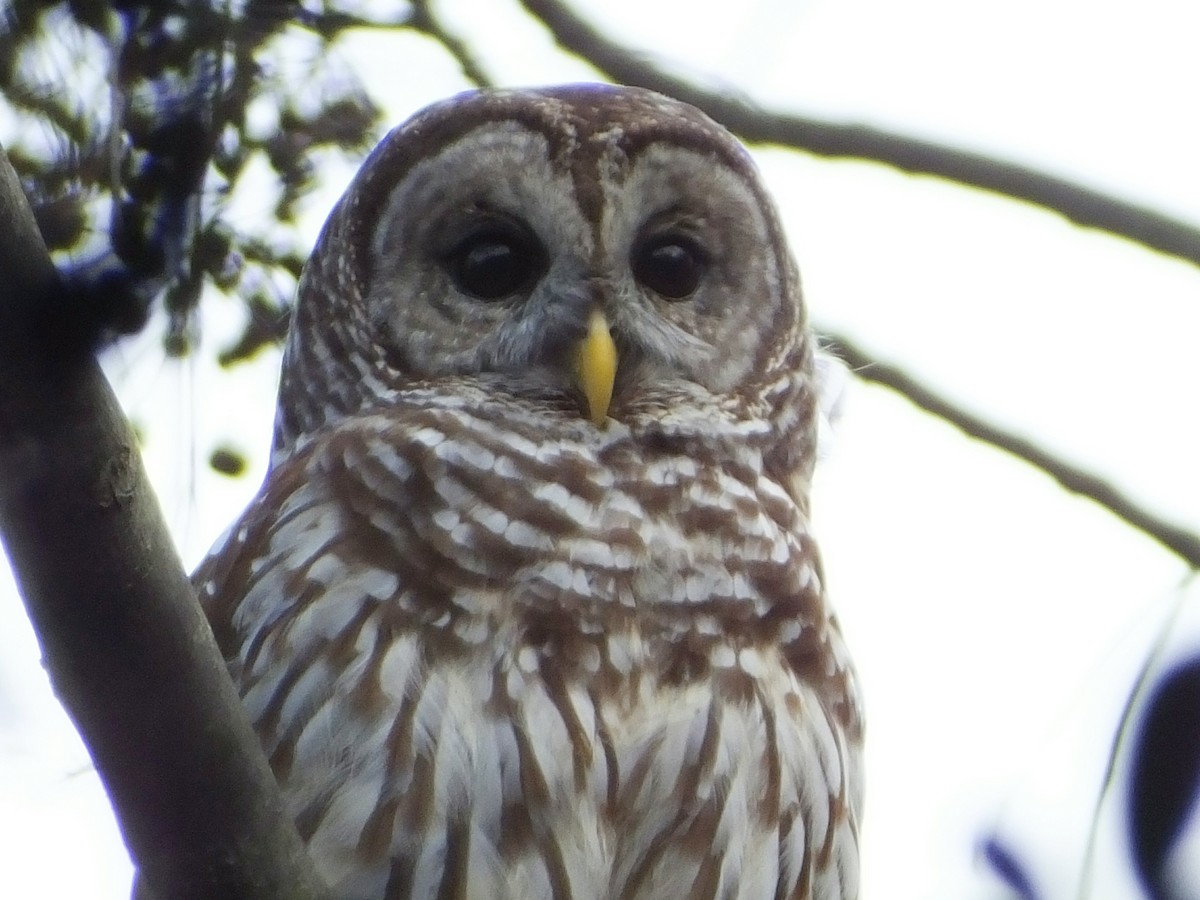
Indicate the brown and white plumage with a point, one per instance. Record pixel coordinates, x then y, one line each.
499 641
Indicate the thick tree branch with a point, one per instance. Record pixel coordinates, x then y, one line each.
1080 204
1179 540
126 645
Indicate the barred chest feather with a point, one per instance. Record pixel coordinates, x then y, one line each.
489 663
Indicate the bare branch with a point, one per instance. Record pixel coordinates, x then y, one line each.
1080 204
126 645
1177 539
424 20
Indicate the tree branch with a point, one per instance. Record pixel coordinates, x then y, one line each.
1080 204
424 20
126 645
1175 538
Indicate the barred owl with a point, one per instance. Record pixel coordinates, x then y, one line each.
528 605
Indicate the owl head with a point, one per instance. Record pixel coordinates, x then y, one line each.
592 254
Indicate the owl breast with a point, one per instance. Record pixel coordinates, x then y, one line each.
517 662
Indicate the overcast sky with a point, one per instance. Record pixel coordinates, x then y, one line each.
995 620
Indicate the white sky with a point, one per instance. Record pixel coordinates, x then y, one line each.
994 619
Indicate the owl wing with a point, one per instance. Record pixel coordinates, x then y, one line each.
317 596
360 602
748 797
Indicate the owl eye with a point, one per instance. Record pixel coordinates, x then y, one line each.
496 261
670 265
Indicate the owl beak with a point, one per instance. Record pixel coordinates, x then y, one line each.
595 366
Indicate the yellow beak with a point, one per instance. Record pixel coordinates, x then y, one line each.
595 364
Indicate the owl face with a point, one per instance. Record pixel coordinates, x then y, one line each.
592 252
514 248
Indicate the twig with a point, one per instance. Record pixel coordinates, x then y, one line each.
423 19
1080 204
1179 540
